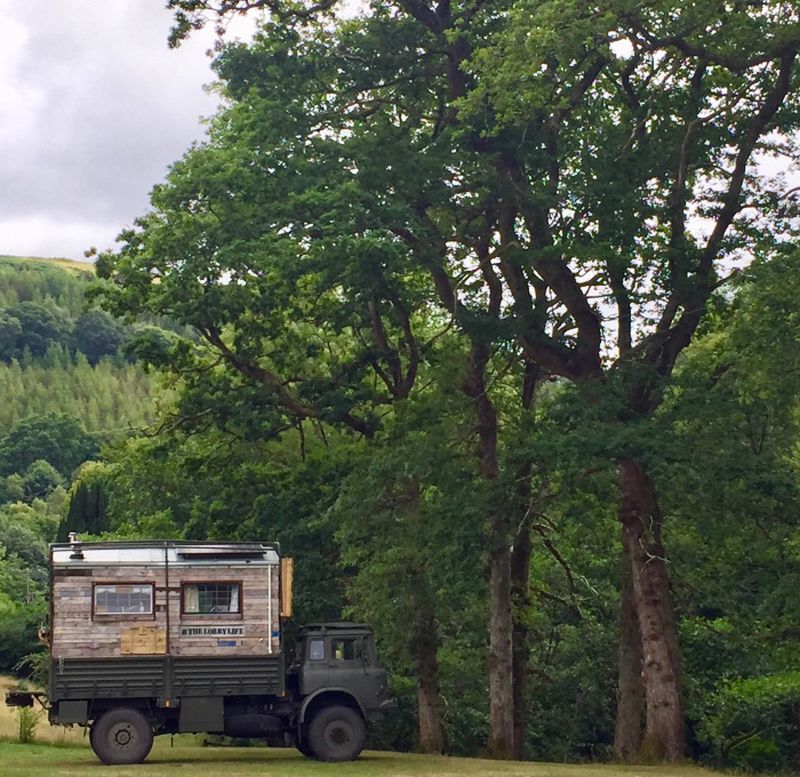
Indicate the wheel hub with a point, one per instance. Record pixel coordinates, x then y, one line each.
122 735
338 735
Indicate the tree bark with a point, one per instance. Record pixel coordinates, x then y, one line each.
500 743
520 597
630 694
664 736
429 701
501 678
423 642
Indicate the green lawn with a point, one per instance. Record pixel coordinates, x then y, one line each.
191 760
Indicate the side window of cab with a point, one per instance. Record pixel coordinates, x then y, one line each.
346 649
316 650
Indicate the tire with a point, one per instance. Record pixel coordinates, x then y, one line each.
304 748
337 734
121 736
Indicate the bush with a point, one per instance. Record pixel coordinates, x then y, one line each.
754 723
28 718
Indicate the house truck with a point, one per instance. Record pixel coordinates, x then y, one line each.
150 638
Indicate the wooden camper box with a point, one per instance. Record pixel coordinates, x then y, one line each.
178 599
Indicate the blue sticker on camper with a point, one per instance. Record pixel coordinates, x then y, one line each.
227 643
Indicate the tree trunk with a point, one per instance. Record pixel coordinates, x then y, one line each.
501 679
500 743
664 736
520 573
630 694
424 642
429 702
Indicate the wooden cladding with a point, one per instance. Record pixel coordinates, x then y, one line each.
103 612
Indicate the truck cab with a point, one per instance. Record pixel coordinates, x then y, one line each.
340 658
340 685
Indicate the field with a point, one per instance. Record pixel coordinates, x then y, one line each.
63 264
59 751
191 759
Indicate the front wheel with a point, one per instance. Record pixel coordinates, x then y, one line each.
304 748
121 736
337 734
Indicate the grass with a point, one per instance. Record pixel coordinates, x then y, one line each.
65 264
192 760
43 731
62 752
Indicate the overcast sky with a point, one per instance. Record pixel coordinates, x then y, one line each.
93 109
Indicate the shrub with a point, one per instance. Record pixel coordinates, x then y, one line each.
754 723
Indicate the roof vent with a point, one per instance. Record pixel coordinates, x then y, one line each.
77 552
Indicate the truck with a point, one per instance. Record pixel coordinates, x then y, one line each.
166 637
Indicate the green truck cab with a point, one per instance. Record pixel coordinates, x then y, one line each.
150 638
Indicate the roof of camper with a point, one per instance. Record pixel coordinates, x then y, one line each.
163 551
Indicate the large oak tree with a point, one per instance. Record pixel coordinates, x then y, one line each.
563 184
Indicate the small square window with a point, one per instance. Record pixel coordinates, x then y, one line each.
346 649
123 599
211 598
316 650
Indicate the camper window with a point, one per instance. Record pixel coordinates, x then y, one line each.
210 598
123 599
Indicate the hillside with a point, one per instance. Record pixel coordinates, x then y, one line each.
70 265
69 388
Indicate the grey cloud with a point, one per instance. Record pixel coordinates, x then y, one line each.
108 107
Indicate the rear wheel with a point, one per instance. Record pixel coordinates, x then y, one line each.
121 736
337 734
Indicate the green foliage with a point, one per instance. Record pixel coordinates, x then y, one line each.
87 506
55 437
377 197
28 719
105 397
96 334
753 723
39 326
37 281
40 480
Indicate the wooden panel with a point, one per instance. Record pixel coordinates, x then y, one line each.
249 633
75 634
286 586
142 640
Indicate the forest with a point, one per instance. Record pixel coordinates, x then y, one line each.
488 313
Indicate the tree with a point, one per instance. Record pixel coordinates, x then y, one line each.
40 325
408 521
55 438
87 508
39 480
10 332
96 334
544 164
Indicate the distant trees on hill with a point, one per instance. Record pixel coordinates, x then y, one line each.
67 387
31 328
105 397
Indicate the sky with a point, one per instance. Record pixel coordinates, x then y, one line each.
93 109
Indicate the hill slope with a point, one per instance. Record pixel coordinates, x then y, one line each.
62 264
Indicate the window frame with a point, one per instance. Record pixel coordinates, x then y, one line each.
197 583
324 649
358 647
104 616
